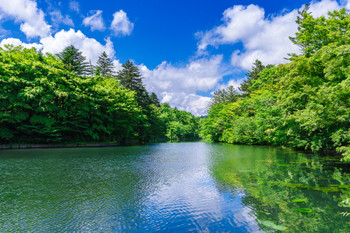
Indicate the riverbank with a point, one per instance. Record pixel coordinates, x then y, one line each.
73 145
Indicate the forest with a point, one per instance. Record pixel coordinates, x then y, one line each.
304 104
62 98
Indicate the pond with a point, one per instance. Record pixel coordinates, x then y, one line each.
172 187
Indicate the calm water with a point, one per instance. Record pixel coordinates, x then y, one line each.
180 187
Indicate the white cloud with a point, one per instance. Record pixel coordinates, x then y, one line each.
198 75
57 18
117 65
95 21
319 8
235 83
239 22
178 85
348 5
263 38
90 47
17 42
121 24
74 6
193 103
32 19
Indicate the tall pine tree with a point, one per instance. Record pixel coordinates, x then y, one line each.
74 60
105 66
253 74
130 77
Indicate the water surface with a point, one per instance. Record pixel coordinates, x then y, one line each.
177 187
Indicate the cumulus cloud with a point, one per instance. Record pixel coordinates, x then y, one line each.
57 18
235 83
17 42
193 103
263 38
90 47
197 75
95 21
32 19
121 24
323 7
178 85
239 22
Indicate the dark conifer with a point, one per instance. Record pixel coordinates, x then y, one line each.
104 66
130 77
74 60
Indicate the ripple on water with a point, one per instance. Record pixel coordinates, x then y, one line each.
184 187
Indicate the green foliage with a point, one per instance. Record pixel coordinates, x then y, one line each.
179 125
315 33
303 104
42 102
154 99
252 75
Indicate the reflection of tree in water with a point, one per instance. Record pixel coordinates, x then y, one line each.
290 192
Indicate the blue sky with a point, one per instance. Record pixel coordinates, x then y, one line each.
185 49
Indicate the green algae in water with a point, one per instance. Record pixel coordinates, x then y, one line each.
299 200
299 192
326 189
274 226
304 210
284 165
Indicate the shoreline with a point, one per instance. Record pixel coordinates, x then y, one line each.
71 145
77 145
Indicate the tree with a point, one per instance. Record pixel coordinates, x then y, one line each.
178 124
154 99
229 94
130 77
74 60
314 33
43 102
252 75
105 66
302 104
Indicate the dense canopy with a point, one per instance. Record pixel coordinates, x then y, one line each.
44 99
303 104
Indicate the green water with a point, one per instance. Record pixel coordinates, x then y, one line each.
177 187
